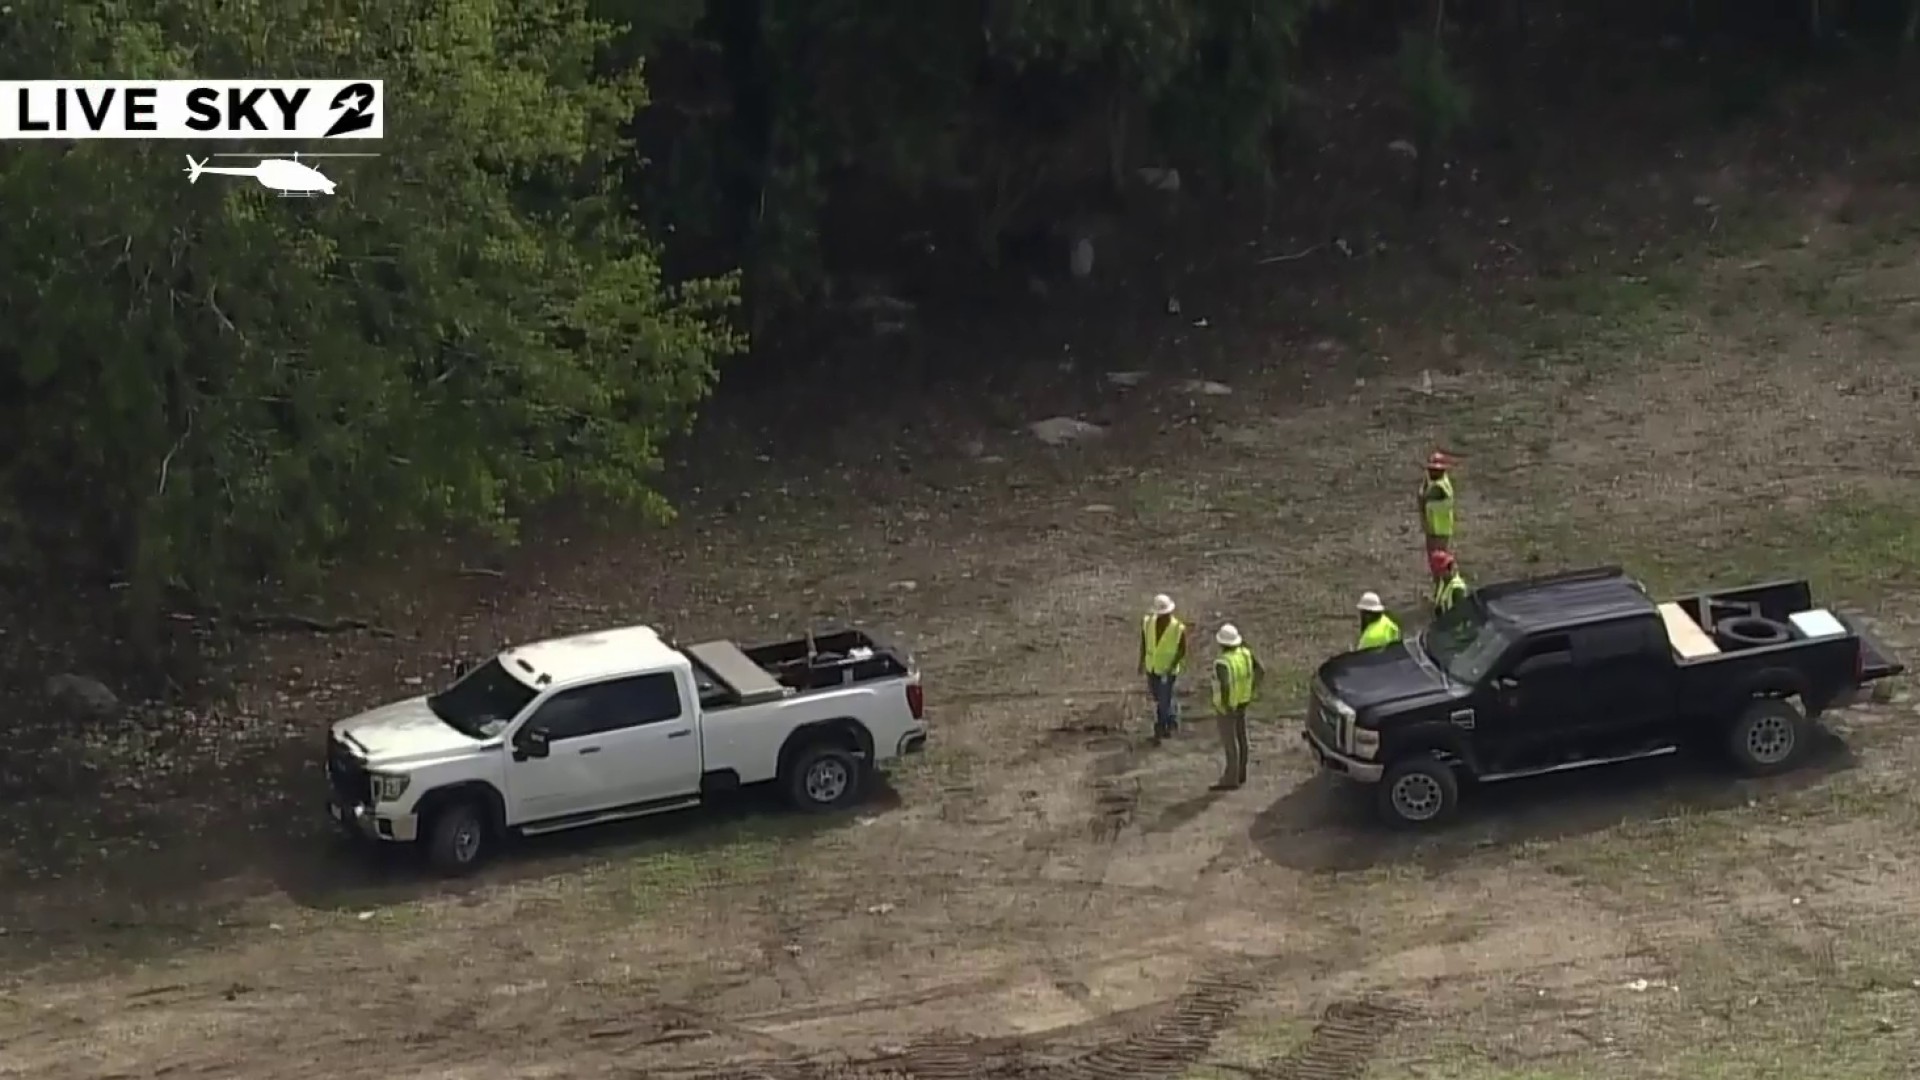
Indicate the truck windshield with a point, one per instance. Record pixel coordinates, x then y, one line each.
487 700
1464 643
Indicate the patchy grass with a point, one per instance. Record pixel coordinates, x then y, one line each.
1798 1036
645 879
1251 1048
1849 546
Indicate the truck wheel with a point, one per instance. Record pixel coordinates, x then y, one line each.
825 777
458 839
1769 737
1419 791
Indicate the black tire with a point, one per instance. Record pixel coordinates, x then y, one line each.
458 838
1750 632
825 777
1418 792
1771 736
1719 611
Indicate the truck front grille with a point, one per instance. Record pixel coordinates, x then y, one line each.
351 784
1322 720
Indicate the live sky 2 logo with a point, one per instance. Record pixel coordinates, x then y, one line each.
193 109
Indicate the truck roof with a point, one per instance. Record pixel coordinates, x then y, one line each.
591 656
1574 598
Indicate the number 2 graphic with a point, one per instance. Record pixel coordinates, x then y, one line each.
354 102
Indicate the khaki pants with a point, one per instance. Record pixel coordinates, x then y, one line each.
1233 743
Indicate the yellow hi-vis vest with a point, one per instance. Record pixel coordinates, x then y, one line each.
1380 632
1452 588
1163 655
1439 512
1238 663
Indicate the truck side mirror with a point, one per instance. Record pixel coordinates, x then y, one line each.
532 742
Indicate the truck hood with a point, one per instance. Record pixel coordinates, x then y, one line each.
1385 676
402 731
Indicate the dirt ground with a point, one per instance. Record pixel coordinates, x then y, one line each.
1045 894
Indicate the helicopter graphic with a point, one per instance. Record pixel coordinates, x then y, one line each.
289 176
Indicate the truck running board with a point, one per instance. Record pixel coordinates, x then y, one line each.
601 817
1584 763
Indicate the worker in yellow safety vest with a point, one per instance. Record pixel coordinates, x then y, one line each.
1377 628
1449 587
1163 653
1436 504
1237 676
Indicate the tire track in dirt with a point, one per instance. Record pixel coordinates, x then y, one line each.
1184 1030
1167 1048
1342 1044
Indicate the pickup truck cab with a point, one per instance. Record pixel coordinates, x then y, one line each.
619 724
1581 669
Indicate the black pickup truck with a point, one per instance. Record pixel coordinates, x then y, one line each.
1579 669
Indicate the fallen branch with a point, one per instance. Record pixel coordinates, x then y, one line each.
480 571
1301 254
285 621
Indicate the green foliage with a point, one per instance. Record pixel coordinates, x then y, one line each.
1001 103
207 386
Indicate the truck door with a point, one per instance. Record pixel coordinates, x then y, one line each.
1534 699
567 780
1626 669
610 745
655 752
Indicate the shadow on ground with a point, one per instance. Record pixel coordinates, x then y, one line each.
332 873
1329 825
169 866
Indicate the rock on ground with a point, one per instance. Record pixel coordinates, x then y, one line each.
83 696
1061 430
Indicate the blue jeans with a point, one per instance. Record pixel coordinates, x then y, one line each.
1166 708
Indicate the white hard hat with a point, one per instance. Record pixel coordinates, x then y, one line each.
1228 635
1370 601
1163 604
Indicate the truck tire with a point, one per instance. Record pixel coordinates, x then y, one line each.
1750 632
824 777
1719 611
1418 792
458 838
1770 737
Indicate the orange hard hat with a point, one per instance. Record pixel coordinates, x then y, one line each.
1440 562
1438 461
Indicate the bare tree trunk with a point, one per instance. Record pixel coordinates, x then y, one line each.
1119 124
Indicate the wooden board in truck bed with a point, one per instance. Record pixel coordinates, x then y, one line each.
1688 639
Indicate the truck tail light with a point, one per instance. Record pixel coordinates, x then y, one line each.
916 701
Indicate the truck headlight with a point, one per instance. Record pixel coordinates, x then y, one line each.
388 787
1365 743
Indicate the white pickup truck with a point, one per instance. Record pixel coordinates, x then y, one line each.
620 724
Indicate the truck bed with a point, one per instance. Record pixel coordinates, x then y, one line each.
1692 620
730 675
1828 649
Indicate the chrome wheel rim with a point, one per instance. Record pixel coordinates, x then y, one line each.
827 780
1770 740
1417 797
